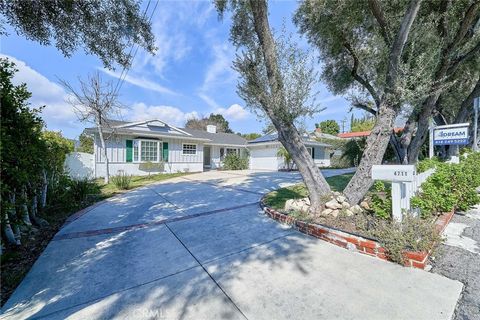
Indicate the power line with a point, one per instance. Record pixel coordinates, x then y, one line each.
124 72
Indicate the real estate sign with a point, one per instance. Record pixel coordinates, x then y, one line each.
455 134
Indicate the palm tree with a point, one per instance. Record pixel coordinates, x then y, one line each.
287 158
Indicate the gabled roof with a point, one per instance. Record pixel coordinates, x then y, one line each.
220 138
273 138
124 127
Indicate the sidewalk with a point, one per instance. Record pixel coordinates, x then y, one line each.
459 259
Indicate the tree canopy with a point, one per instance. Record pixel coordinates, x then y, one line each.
329 127
104 28
217 120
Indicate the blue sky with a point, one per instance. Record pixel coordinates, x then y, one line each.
190 75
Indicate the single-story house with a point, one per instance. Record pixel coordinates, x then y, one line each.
155 146
138 148
263 153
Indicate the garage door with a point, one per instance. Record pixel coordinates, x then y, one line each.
264 158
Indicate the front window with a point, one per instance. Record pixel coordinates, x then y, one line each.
189 148
309 149
146 151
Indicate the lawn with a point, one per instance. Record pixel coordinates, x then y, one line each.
110 189
277 199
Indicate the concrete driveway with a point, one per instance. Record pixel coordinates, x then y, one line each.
198 247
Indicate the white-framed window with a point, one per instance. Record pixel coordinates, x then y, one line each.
189 149
147 150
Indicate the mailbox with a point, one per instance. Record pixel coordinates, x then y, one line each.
394 173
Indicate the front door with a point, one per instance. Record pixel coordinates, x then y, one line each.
206 156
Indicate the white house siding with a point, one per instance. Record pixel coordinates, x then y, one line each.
116 151
265 157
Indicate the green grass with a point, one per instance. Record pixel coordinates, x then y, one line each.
277 199
108 190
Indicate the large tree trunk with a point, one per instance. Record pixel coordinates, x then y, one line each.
314 181
376 145
287 133
105 154
379 138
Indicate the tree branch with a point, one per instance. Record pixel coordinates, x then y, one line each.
364 82
459 60
467 22
400 41
379 15
364 107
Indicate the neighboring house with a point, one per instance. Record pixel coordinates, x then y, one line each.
155 146
263 153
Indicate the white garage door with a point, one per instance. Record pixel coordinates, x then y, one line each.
264 158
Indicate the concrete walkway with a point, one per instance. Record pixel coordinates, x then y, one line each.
198 247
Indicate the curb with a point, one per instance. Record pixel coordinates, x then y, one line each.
355 242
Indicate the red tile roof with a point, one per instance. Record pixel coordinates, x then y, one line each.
361 133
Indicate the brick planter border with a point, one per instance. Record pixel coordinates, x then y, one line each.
352 241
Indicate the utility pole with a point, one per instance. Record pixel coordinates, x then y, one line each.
476 106
343 125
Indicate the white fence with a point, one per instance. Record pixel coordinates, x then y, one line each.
405 184
80 165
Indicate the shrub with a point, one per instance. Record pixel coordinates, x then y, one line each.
233 161
122 180
427 164
381 200
452 186
412 234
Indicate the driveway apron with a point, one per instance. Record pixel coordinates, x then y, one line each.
199 247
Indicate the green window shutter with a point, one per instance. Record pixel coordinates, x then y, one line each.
129 154
165 151
313 153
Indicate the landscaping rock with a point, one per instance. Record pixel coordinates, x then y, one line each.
333 204
297 205
345 205
356 209
341 199
326 212
335 213
349 212
364 205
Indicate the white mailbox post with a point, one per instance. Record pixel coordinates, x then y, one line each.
402 178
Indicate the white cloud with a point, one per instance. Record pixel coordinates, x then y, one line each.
234 112
219 73
140 82
57 113
171 115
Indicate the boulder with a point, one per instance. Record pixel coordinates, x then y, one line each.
364 205
341 199
326 212
335 213
333 204
356 209
297 205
